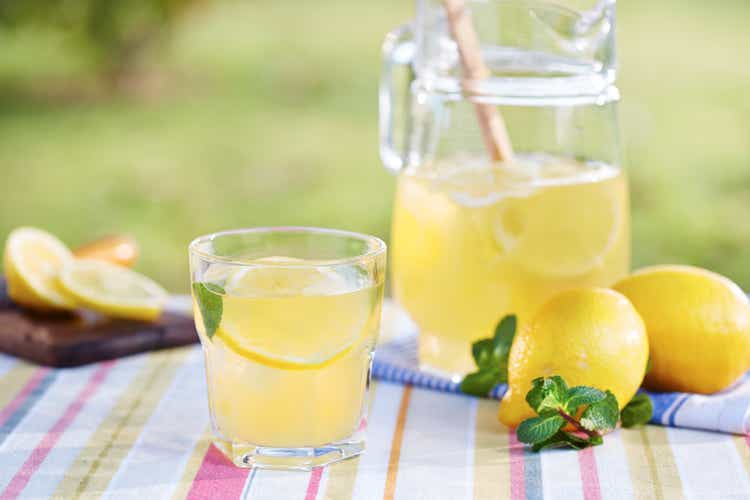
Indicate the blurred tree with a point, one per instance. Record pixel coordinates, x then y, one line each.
116 32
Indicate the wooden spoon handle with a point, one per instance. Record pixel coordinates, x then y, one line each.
117 249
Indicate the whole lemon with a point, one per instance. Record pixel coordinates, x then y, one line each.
698 325
589 336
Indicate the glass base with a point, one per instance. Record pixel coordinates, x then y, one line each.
307 458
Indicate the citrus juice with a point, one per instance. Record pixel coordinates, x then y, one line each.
474 241
288 361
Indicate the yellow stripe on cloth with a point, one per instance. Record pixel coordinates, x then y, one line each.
192 466
94 468
398 439
491 454
652 467
742 443
13 380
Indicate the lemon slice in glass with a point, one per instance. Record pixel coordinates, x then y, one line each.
113 290
32 260
292 318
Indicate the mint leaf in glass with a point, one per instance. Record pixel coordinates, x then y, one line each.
210 304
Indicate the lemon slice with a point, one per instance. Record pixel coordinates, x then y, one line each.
113 290
33 258
563 230
236 344
292 317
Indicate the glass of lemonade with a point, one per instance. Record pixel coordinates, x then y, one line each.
475 239
288 318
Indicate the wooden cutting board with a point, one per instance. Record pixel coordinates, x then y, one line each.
85 337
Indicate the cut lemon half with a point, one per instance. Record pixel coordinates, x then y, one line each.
113 290
32 261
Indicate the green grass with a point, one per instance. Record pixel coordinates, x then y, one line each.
269 116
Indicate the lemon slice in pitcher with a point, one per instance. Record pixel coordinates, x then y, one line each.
32 260
113 290
567 227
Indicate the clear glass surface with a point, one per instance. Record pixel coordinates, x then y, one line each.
288 319
474 239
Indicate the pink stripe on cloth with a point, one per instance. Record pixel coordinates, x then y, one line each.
589 474
21 396
22 477
517 473
314 484
218 478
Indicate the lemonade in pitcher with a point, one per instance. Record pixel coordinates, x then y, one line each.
499 118
475 241
288 341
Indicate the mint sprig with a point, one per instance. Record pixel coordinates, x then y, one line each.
559 407
210 304
491 358
576 417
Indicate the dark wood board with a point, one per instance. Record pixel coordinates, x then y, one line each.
85 337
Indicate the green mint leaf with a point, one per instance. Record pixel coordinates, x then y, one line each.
582 395
536 395
210 304
559 440
505 332
491 358
538 429
596 440
547 393
602 415
502 341
479 383
482 352
567 440
638 411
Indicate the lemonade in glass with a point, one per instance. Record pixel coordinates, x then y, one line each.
288 319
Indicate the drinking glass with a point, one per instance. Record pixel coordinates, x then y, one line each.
288 319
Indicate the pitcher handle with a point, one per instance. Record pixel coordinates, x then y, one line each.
398 51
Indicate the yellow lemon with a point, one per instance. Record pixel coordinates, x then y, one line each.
698 325
32 260
588 336
112 290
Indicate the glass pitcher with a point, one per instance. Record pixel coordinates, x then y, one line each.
474 239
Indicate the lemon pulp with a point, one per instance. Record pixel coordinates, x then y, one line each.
474 241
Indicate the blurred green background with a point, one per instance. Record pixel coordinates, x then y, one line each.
185 117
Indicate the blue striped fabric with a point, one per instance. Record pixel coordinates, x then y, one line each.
727 411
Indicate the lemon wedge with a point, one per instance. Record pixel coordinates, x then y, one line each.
32 260
112 290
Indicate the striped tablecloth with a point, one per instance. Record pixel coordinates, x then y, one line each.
138 428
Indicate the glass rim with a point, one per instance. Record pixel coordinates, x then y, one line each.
375 246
